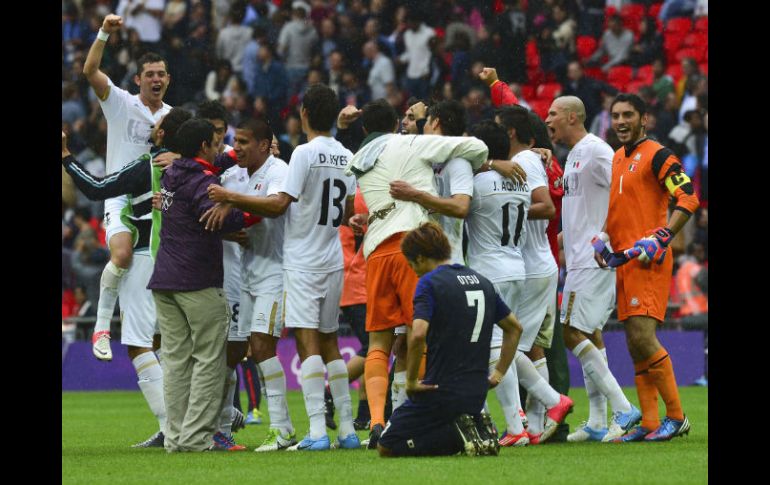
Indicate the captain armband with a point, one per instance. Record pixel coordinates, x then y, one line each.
679 180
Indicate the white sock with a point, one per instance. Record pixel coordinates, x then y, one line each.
398 390
151 383
595 367
507 392
597 405
536 409
340 389
226 408
533 382
108 295
312 380
274 389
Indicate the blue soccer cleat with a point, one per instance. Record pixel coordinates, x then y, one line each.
309 444
586 433
622 422
222 442
669 428
349 442
636 434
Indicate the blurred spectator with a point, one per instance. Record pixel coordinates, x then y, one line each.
382 75
293 135
591 20
556 41
602 122
649 45
351 91
88 260
477 107
458 25
589 90
690 279
696 85
258 13
144 16
461 64
270 81
328 39
173 17
662 83
516 89
666 119
336 68
439 69
296 42
232 40
72 108
484 51
511 27
417 55
218 80
372 33
250 54
616 44
73 30
676 8
687 139
689 69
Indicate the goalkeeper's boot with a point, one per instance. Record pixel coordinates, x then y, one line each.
100 345
637 433
154 441
622 422
555 416
309 444
669 428
222 442
466 429
586 433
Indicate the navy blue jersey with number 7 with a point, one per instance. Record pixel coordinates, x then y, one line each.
461 307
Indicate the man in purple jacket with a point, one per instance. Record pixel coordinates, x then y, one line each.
187 287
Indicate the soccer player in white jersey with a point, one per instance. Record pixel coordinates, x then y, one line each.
496 232
589 291
390 282
130 119
261 296
538 307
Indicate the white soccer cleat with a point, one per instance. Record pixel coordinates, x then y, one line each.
275 441
101 345
585 433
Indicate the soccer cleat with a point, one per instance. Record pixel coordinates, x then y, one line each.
637 433
586 433
329 402
349 442
555 416
239 421
254 417
101 345
374 436
488 434
222 442
508 439
669 428
360 424
154 441
524 420
276 441
622 422
534 439
309 444
466 427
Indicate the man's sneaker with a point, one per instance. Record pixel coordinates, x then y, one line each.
329 402
669 428
101 345
622 422
309 444
349 442
276 441
254 417
154 441
637 433
222 442
466 427
360 424
554 417
524 420
508 439
374 436
488 434
239 420
586 433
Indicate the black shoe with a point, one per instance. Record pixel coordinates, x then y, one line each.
154 441
329 401
466 428
360 424
488 434
239 421
374 436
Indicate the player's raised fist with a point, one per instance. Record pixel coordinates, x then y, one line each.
488 75
112 23
348 115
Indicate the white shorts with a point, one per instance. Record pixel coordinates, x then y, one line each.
312 300
259 314
537 309
510 292
137 307
589 298
112 223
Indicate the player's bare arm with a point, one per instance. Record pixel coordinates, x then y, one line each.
415 348
96 78
271 206
165 159
455 206
508 169
542 206
358 223
512 330
348 115
214 218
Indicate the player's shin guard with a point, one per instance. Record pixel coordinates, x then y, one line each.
312 379
376 376
398 389
507 392
274 385
662 373
150 382
595 367
340 389
108 295
226 407
534 382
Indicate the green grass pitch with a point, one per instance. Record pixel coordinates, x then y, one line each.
99 427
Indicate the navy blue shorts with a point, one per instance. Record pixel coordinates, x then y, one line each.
355 316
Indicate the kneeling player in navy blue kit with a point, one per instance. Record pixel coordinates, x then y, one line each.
454 310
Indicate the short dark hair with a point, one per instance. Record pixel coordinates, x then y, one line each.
321 104
539 132
517 118
212 110
635 101
494 137
149 58
451 114
192 134
379 115
258 128
428 241
170 125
